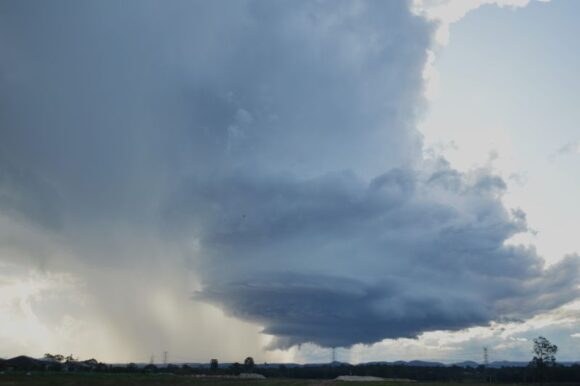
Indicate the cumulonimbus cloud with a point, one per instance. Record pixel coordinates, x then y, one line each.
277 138
335 261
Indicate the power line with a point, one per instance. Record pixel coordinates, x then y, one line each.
485 357
164 358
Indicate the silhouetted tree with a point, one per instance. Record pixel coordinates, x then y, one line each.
249 364
55 357
236 368
69 359
213 364
544 357
544 353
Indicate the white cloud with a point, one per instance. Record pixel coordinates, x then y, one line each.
447 12
571 148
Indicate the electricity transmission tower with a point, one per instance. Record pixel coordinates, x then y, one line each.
485 357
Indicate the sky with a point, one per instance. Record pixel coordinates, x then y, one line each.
223 179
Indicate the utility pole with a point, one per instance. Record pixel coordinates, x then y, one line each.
486 364
485 357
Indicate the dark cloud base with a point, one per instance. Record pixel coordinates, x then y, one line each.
335 263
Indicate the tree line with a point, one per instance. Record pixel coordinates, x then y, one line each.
542 368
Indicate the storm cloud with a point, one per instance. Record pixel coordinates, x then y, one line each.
272 146
336 261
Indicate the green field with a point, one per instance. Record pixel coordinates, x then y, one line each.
175 380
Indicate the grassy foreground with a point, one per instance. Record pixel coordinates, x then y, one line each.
48 379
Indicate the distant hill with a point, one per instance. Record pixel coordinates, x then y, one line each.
413 363
500 364
425 364
22 361
471 364
27 362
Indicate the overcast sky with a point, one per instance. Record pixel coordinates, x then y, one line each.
223 179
